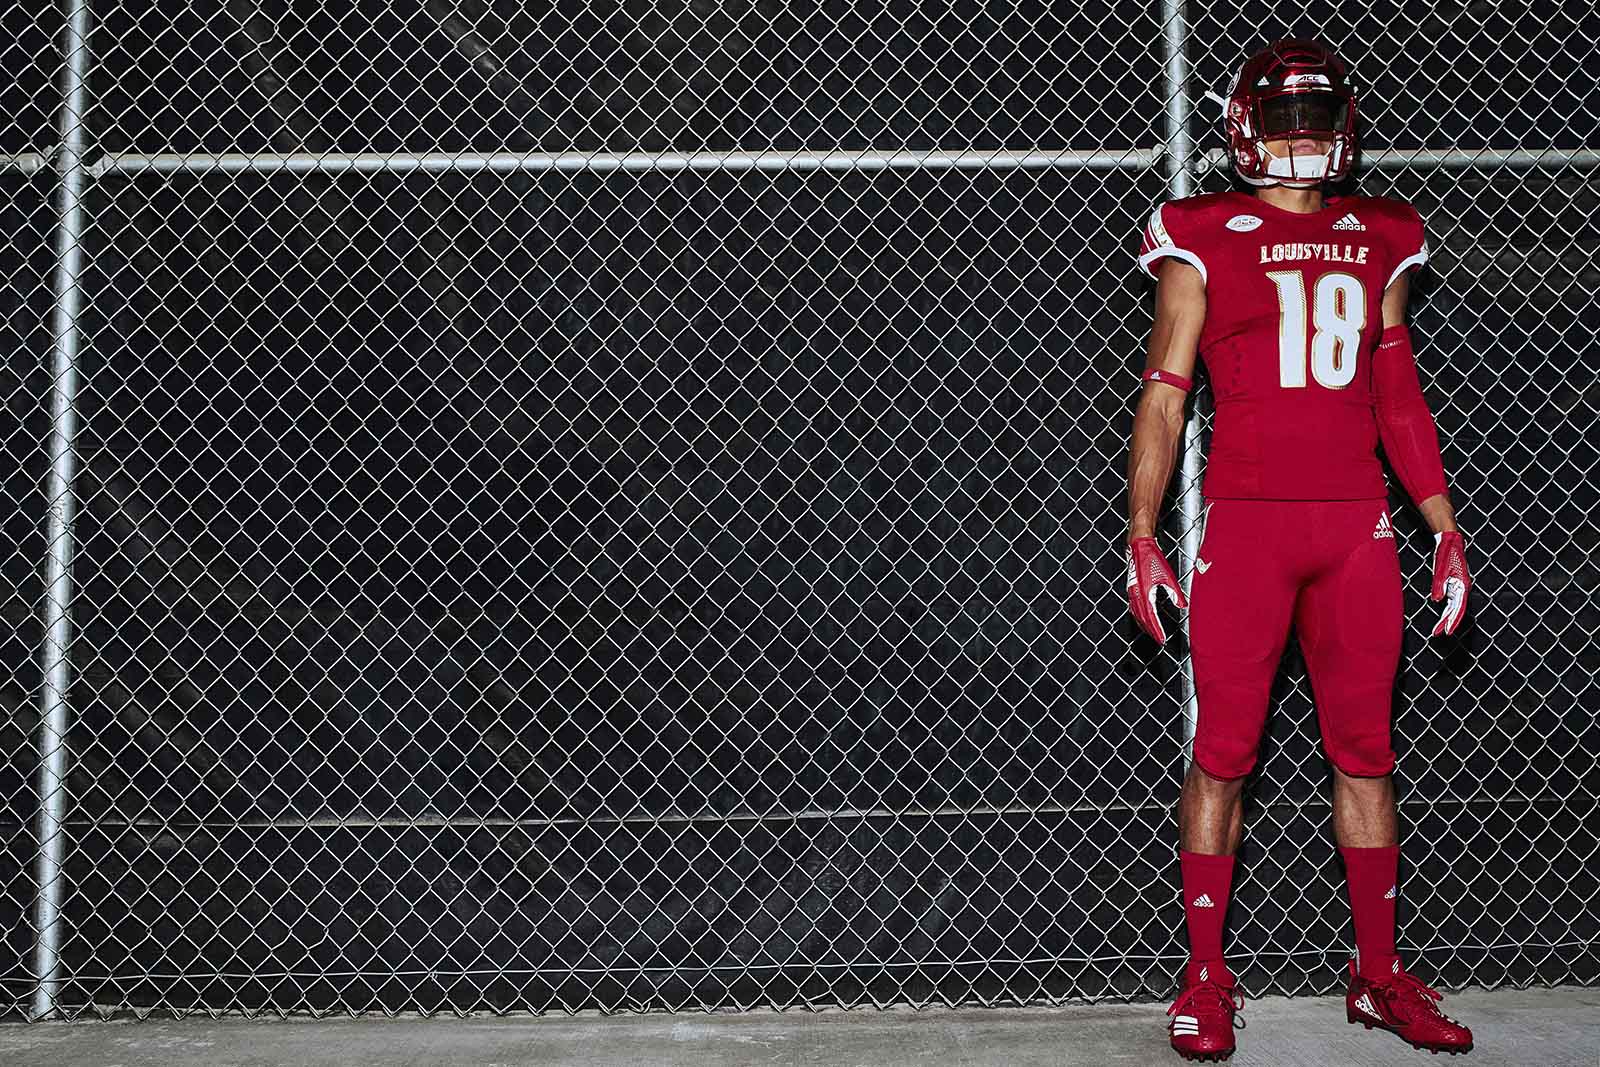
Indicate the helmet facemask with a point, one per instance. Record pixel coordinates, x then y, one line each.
1298 115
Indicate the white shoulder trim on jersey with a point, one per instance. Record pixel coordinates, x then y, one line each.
1416 260
1166 246
1175 252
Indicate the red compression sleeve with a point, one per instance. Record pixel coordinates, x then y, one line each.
1410 439
1169 378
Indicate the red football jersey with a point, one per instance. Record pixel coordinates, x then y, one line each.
1294 310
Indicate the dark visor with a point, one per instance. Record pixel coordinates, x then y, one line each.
1297 112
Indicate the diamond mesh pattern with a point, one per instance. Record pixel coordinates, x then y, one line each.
566 575
24 307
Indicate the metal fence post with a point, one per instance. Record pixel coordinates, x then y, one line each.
1180 177
60 506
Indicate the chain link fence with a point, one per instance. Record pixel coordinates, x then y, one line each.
532 508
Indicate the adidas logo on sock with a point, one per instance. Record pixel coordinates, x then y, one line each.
1393 892
1394 968
1349 222
1203 901
1384 528
1205 974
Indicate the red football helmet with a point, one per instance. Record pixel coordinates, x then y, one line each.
1290 89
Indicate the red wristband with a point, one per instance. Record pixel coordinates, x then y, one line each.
1167 377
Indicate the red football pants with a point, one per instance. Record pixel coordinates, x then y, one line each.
1330 568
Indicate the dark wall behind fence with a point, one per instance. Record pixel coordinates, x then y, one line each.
667 589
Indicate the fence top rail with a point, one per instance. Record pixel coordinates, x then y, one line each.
133 164
402 162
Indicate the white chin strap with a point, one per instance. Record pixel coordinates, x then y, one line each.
1296 171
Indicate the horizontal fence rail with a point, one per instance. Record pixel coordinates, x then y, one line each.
128 165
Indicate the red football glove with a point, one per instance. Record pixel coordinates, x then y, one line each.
1148 574
1450 581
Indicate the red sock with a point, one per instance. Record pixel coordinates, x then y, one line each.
1373 874
1206 881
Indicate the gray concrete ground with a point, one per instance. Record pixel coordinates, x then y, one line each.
1557 1028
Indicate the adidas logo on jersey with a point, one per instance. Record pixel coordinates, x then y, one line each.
1384 529
1349 222
1393 892
1203 901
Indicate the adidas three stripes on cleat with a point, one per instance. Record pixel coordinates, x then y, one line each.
1203 1020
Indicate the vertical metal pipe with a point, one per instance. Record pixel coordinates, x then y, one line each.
1180 179
61 505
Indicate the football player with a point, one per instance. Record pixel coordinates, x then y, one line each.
1295 299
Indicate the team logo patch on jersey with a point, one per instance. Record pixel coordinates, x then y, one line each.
1243 223
1349 222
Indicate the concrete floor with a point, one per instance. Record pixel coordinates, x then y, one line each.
1549 1028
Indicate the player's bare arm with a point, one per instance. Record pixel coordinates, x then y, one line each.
1157 427
1158 420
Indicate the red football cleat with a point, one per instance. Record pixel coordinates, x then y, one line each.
1203 1020
1403 1005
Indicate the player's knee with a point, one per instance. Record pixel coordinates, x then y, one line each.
1361 784
1233 712
1200 780
1226 755
1360 754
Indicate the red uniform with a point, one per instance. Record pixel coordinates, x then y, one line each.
1296 526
